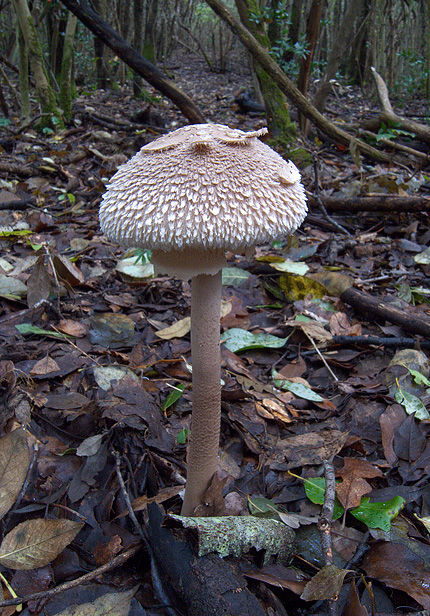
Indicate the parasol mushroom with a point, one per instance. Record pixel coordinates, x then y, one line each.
190 196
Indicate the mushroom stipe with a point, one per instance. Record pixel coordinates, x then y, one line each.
190 196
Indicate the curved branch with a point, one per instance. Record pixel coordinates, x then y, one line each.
289 89
138 63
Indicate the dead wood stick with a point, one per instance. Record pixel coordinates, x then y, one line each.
379 341
396 146
372 203
387 114
47 594
375 308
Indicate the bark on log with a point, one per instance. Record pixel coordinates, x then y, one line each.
372 203
373 308
148 71
387 115
209 585
289 89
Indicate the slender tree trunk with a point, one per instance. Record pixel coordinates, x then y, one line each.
340 45
137 41
282 131
312 30
102 70
149 51
294 29
288 87
150 72
24 77
428 52
45 93
66 81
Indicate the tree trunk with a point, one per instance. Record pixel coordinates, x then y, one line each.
144 68
66 81
149 37
289 89
294 29
45 93
137 42
282 131
24 81
102 70
338 50
312 30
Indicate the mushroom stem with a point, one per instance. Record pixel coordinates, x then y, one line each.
206 362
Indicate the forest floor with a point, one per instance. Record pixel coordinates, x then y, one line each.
95 355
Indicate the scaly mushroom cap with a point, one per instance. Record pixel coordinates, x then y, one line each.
199 191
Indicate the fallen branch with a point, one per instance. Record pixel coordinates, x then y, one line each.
388 116
379 341
290 90
397 146
372 203
375 308
138 63
88 577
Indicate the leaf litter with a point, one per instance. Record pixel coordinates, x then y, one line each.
95 353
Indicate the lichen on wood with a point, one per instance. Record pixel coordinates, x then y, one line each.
236 535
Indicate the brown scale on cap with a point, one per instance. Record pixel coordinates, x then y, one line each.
190 196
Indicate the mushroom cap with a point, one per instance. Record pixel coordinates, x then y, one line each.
199 191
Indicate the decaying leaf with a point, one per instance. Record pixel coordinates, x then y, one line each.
38 283
177 330
14 463
110 604
326 584
400 567
35 543
353 486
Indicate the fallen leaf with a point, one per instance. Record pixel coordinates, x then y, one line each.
44 366
353 486
72 328
38 283
399 567
326 584
35 543
177 330
110 604
14 464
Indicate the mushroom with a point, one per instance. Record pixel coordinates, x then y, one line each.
189 196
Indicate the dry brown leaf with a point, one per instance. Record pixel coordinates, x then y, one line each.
309 448
67 271
36 543
353 606
399 567
72 328
141 503
354 473
177 330
270 409
38 283
326 584
44 366
113 603
14 464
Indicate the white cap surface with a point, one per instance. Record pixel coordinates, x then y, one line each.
199 191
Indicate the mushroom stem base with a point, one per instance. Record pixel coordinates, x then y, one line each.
206 362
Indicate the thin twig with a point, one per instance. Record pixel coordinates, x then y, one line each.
321 204
321 356
156 578
325 521
88 577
